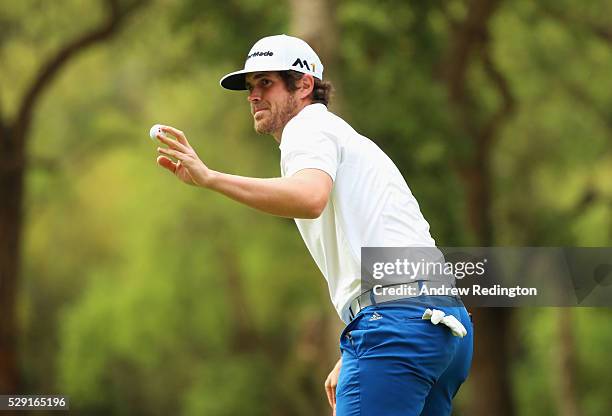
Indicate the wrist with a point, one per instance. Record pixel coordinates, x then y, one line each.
211 179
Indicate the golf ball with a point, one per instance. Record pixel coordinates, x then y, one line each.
154 130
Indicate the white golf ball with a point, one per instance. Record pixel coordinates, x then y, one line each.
154 130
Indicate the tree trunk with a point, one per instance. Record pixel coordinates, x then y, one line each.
490 372
315 22
566 365
490 375
11 197
470 44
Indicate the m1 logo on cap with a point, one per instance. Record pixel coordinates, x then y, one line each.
259 53
302 63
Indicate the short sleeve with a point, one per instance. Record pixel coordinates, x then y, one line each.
304 146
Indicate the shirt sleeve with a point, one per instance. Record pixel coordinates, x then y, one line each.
306 147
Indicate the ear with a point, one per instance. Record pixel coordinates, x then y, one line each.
307 86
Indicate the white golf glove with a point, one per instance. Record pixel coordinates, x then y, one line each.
436 316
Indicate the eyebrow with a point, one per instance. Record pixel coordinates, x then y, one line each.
256 77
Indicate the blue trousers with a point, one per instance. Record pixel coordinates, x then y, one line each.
396 364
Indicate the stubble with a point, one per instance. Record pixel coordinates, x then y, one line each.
278 117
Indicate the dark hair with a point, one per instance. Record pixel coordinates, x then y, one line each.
321 92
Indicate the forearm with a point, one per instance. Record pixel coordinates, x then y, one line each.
302 195
285 197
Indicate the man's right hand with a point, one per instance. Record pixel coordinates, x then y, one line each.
188 166
331 383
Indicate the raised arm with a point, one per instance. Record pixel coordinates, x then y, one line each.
303 195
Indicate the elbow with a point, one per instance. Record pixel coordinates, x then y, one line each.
315 207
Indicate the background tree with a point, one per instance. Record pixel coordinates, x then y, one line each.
14 135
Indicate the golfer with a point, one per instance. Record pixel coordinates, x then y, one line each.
344 194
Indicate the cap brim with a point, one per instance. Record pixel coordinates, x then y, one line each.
235 80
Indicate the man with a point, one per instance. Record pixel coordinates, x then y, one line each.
344 193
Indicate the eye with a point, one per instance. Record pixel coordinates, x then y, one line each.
265 82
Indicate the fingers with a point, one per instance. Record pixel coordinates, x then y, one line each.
173 153
166 163
180 136
172 143
333 396
330 391
331 383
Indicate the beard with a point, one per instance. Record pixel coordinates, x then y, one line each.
278 116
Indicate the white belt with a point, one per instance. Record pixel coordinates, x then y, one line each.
369 298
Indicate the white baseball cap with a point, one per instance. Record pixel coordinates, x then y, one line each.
276 53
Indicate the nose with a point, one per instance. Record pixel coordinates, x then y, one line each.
254 95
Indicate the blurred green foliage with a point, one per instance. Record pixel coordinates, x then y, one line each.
130 280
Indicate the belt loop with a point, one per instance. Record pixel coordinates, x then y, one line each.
372 298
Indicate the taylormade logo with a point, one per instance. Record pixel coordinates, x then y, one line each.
259 53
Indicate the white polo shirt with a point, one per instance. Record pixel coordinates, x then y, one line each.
370 204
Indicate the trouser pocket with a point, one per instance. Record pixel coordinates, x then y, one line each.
349 337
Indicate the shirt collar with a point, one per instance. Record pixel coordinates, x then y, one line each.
310 108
